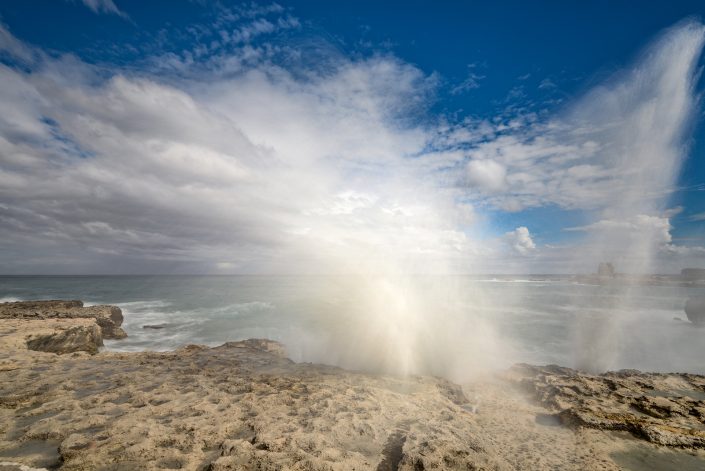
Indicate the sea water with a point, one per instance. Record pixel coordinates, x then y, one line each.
539 319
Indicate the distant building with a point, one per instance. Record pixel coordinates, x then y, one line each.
606 269
693 274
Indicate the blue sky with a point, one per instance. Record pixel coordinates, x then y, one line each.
449 115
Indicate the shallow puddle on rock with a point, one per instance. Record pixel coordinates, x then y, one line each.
24 421
92 389
549 420
645 457
37 453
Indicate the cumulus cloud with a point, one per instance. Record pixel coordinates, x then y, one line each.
520 241
631 231
615 240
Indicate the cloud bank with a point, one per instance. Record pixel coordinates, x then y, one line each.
228 158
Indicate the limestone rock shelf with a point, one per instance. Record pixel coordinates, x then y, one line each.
244 405
666 409
108 318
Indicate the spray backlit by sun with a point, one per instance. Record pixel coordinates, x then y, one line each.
632 128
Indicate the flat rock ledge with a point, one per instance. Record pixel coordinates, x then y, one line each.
239 406
108 318
665 409
246 406
59 327
58 336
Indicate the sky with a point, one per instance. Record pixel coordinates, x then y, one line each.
327 137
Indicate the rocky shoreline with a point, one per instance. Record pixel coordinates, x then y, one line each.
64 404
666 409
66 326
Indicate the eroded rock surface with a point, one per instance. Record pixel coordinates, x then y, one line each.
58 336
666 409
109 318
239 406
245 405
76 338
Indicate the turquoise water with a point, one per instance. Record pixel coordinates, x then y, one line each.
539 320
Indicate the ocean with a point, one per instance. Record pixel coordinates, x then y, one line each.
341 321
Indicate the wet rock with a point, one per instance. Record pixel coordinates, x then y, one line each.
155 326
109 318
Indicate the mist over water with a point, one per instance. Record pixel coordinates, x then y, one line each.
635 126
654 102
320 319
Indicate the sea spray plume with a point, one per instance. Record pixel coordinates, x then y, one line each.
405 324
260 169
248 166
612 155
400 310
639 121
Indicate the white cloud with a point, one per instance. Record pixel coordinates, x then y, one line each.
265 170
486 174
614 154
547 83
520 241
104 6
655 229
623 141
471 82
672 212
237 161
15 48
615 239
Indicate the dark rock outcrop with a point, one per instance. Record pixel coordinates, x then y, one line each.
155 326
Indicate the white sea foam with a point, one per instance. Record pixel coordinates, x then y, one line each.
139 305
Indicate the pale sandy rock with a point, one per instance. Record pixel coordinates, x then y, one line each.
58 336
109 318
12 466
79 338
239 406
246 406
667 409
